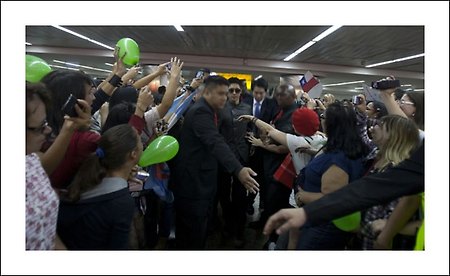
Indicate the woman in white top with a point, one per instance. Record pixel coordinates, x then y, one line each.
41 200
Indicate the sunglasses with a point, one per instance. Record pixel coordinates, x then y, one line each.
237 90
40 129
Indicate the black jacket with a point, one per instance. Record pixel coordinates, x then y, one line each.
201 147
269 108
234 131
98 223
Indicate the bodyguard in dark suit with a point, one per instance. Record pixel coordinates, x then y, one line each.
201 148
232 194
264 109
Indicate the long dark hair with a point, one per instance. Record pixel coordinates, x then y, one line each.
119 114
342 132
61 84
419 103
116 143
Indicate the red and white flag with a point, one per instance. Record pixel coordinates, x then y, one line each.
311 85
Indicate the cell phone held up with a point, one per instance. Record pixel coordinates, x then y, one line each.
385 84
69 106
199 75
142 175
357 100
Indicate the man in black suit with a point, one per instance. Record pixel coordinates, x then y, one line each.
264 109
201 148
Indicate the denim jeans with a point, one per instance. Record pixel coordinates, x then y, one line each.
323 237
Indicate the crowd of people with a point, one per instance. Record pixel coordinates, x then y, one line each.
84 189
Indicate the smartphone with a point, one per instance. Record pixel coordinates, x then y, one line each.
199 75
357 100
142 175
69 106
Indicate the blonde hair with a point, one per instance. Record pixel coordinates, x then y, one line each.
403 138
331 98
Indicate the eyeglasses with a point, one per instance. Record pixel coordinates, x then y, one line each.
406 102
41 129
237 90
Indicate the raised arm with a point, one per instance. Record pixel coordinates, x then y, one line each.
162 69
272 132
171 90
387 97
55 154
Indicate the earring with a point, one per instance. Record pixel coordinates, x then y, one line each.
413 114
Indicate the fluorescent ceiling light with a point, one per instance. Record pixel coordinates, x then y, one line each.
342 83
63 67
395 60
258 77
128 69
82 36
299 50
359 88
28 43
314 40
420 89
179 28
406 85
326 33
82 66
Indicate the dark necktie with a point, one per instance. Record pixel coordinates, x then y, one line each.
258 110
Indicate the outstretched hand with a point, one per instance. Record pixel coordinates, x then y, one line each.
285 220
245 177
175 69
245 118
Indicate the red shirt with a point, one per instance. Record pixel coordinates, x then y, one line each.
82 144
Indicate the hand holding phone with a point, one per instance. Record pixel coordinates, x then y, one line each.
199 75
69 106
142 175
357 100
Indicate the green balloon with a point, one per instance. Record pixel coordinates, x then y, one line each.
35 68
131 48
348 223
160 150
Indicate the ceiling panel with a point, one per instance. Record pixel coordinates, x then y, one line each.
339 57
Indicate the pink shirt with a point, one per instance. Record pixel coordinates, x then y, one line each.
42 205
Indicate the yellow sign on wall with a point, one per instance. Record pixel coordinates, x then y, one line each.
246 77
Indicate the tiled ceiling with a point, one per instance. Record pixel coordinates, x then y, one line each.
258 50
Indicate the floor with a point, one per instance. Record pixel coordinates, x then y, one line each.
254 239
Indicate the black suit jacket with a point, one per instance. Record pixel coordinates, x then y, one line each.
404 179
201 147
269 108
234 131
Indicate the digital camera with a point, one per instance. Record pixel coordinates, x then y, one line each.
385 84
